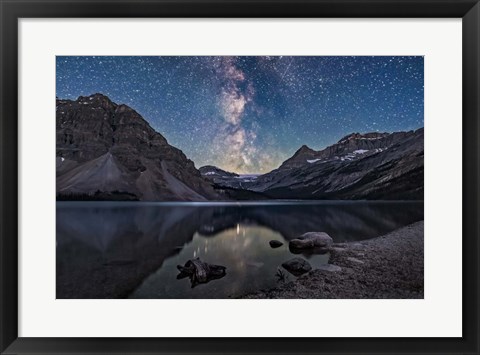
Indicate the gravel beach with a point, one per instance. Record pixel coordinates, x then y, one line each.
390 266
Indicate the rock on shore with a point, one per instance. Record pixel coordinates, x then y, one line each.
312 240
297 266
390 266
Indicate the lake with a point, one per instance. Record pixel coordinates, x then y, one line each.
132 249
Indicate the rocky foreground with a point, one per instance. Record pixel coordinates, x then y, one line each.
390 266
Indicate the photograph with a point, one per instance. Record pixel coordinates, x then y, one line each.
245 165
239 177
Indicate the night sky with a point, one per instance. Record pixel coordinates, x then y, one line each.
249 114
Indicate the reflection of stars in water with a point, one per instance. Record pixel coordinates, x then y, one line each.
248 114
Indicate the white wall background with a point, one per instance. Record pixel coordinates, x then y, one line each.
439 314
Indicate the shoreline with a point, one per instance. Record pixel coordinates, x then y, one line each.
386 267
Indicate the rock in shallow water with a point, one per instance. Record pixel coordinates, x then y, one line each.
297 266
275 243
200 272
312 240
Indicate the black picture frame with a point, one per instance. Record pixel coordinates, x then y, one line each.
11 11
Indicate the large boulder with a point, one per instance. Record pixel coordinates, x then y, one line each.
312 240
297 266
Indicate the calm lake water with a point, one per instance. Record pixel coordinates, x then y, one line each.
132 249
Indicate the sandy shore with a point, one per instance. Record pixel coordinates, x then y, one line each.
390 266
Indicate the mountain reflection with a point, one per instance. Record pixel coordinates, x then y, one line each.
108 250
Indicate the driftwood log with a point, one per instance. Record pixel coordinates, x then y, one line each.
200 272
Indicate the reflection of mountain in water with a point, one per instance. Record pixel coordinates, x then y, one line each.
105 251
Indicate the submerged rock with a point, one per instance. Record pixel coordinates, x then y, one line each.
275 243
297 266
312 240
200 272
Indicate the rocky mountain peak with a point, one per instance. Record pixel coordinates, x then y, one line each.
301 155
96 98
351 146
348 137
98 138
304 149
361 136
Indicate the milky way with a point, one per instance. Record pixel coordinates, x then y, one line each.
248 114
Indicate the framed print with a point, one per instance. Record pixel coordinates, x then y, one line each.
259 177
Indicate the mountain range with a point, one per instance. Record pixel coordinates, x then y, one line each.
107 151
379 166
